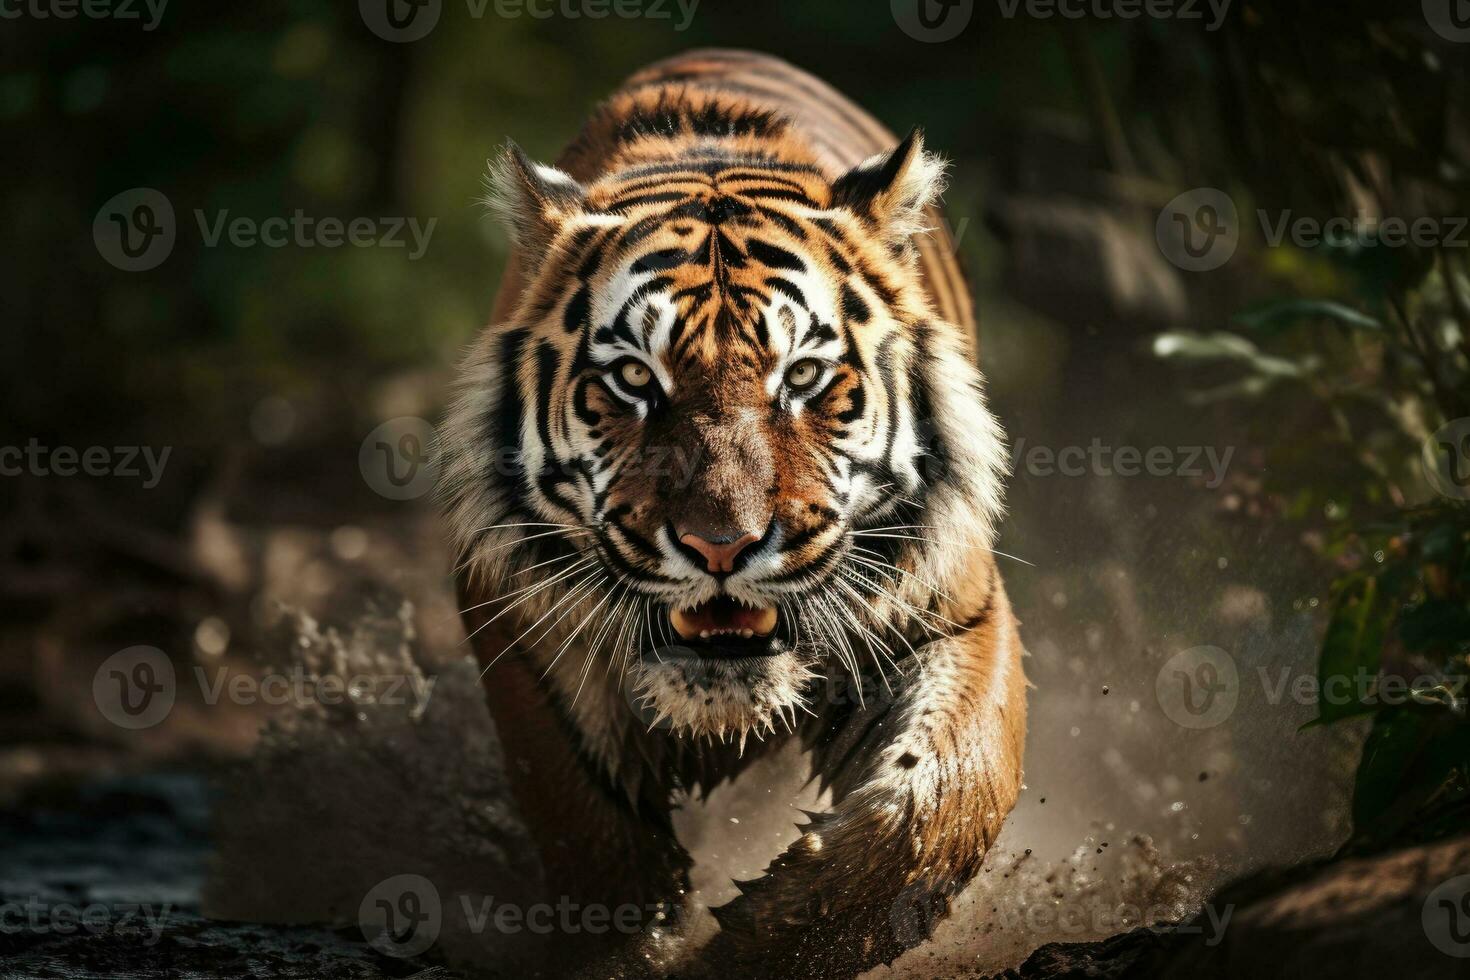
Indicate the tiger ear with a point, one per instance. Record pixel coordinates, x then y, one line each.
532 199
891 190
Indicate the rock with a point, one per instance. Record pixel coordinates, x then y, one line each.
1403 913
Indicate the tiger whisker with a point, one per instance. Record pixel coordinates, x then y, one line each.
552 561
534 537
835 618
476 554
913 613
576 632
871 639
600 637
497 527
910 537
837 639
578 588
919 614
894 629
902 571
622 645
525 593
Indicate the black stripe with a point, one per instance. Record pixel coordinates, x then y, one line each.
578 310
789 288
773 256
504 423
854 309
818 331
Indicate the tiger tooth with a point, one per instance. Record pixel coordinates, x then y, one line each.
765 621
683 623
705 621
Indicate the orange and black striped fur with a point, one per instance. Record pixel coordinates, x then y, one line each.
721 474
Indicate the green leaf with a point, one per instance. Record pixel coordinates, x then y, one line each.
1279 317
1415 761
1434 623
1351 648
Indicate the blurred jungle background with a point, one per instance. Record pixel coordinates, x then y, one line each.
1293 509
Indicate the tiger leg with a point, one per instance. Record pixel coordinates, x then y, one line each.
608 853
926 785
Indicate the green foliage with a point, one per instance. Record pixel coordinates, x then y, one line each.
1413 783
1404 622
1275 318
1361 354
1397 645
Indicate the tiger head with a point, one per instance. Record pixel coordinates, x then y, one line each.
723 440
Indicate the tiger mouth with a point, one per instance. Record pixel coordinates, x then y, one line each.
724 626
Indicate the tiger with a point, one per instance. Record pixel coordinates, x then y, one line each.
719 476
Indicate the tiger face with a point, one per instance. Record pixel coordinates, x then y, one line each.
720 388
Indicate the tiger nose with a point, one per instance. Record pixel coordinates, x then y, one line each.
719 551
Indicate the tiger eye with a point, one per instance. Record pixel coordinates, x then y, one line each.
803 374
635 374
